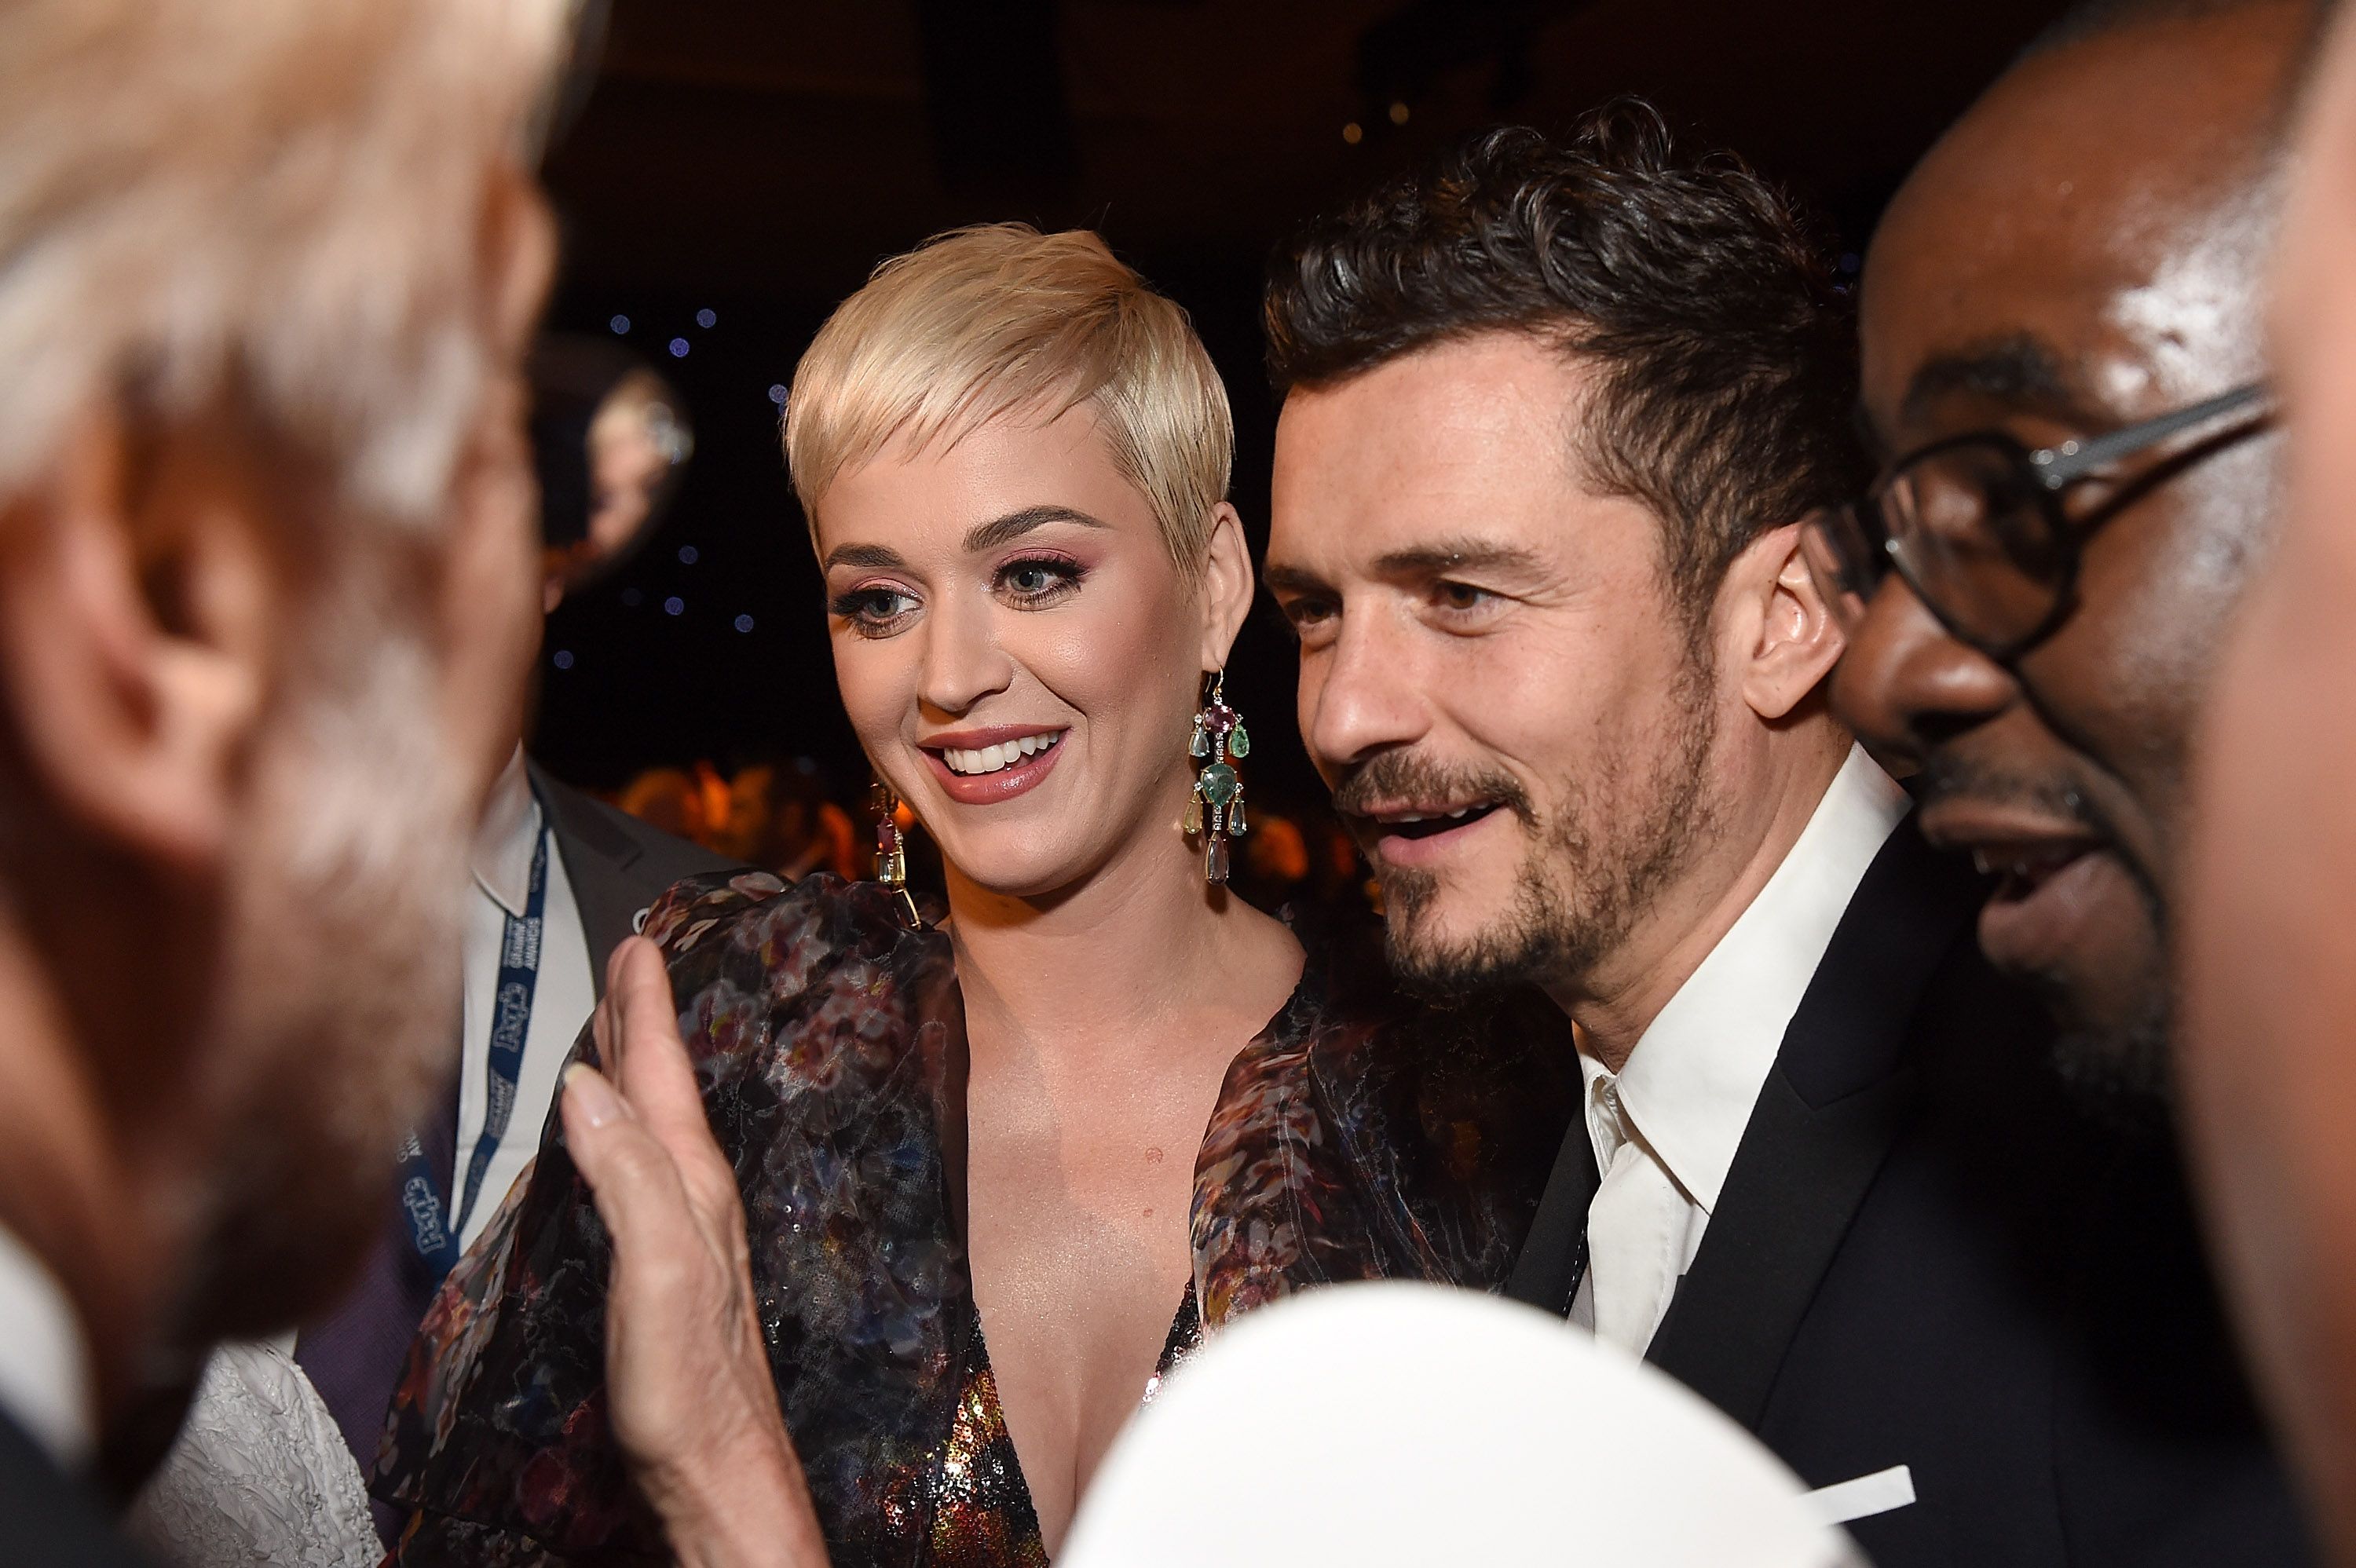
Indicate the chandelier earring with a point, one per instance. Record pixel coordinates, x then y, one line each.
1215 809
892 851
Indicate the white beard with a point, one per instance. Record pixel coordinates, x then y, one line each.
341 958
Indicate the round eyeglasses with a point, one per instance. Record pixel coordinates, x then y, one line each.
1976 524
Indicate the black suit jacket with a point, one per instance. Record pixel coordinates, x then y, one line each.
1927 1253
616 864
49 1517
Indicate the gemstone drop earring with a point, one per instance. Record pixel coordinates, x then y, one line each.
1219 735
891 852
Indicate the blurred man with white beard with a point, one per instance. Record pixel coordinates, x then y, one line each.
266 593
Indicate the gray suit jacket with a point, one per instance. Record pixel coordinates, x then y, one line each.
617 865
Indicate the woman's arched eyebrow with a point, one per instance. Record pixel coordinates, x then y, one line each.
995 534
874 557
1000 532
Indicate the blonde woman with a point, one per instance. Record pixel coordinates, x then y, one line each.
1001 1171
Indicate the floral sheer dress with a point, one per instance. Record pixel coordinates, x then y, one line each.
1357 1136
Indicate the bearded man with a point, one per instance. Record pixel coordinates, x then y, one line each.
1553 416
2065 366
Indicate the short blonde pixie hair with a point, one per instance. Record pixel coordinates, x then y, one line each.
981 323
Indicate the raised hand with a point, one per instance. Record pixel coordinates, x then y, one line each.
694 1405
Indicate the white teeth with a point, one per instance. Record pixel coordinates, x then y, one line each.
2023 867
994 759
1456 815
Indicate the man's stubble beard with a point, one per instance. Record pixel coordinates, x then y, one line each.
1595 865
2118 1067
2122 1071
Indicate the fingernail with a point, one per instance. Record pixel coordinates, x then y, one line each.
587 1088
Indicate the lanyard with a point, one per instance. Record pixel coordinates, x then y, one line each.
436 1237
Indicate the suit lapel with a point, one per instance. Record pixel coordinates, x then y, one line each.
597 862
1837 1100
1554 1255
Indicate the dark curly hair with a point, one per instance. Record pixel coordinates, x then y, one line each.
1729 358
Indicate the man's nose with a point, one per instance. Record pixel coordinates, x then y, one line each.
1905 683
1364 694
963 660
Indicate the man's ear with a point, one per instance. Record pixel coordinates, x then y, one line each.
1227 585
1790 639
136 598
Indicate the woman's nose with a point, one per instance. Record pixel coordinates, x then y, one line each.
963 660
1905 682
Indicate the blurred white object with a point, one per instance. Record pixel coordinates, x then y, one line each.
1385 1425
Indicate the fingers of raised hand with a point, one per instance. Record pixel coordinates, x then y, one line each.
601 1033
623 1163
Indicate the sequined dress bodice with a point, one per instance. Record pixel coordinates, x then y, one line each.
980 1511
1354 1138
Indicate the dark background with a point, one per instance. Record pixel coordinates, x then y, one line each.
754 158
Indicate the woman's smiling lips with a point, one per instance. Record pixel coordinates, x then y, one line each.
984 767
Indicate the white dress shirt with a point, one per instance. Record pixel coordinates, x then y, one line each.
45 1377
1665 1128
561 998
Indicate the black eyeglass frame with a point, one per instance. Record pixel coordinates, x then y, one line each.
2051 471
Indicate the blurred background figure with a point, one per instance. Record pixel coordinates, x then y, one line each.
785 824
2267 1058
610 439
665 798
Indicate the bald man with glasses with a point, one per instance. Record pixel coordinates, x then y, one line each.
2062 368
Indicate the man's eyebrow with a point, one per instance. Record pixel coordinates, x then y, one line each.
2014 369
1443 556
1005 530
1281 578
877 557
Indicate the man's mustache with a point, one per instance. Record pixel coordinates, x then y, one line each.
1956 778
1395 776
